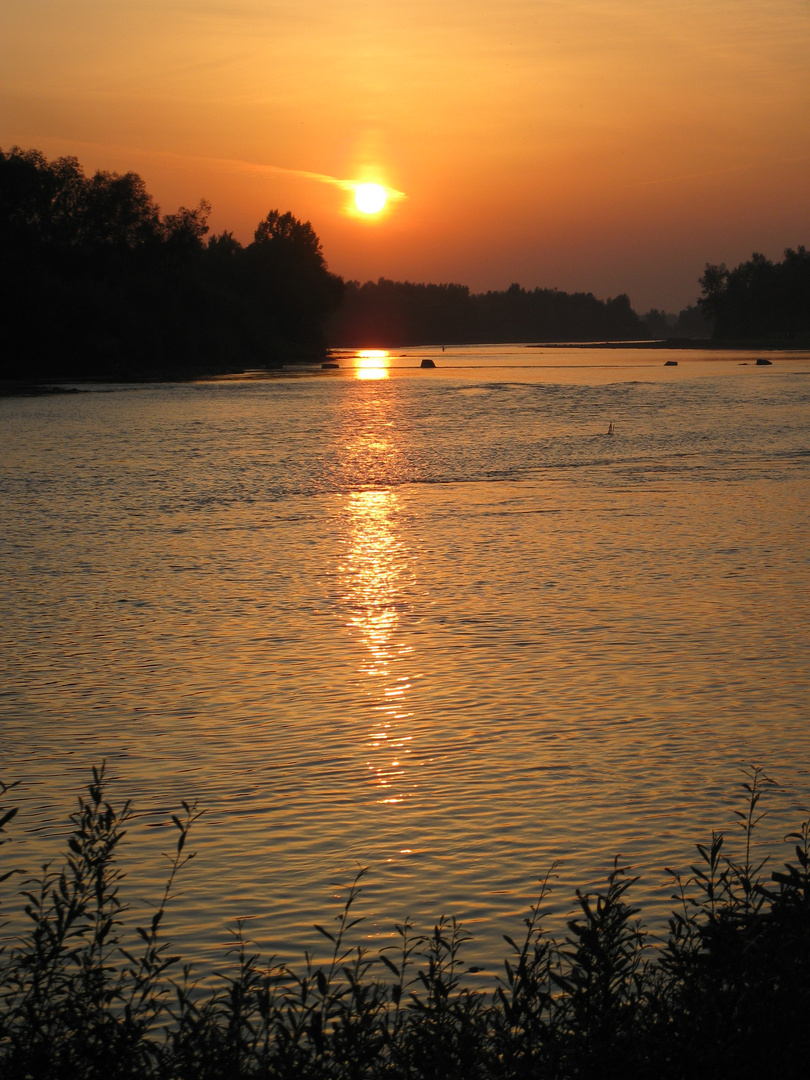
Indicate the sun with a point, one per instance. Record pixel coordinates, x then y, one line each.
370 198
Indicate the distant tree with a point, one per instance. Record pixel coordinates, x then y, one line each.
794 292
119 212
187 228
692 323
282 233
758 298
622 320
41 202
224 246
658 324
713 286
289 282
224 260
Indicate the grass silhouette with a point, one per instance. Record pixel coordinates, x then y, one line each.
727 993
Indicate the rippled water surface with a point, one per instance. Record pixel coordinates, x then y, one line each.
437 623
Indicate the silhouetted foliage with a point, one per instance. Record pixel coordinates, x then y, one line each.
759 299
288 281
689 323
692 323
727 992
658 324
96 283
391 313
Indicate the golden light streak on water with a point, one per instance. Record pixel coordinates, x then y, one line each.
375 570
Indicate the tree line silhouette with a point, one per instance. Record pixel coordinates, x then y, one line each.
390 313
97 283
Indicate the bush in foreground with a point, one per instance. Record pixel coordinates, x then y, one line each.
728 992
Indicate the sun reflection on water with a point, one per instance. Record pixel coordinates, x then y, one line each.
372 364
376 571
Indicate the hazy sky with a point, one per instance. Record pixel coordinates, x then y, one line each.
612 146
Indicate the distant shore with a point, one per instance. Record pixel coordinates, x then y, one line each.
73 384
769 345
59 384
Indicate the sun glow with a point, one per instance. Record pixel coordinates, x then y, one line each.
370 198
372 364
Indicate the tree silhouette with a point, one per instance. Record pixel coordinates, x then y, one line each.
186 228
288 279
96 283
282 233
759 298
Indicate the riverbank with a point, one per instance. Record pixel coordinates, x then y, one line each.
66 384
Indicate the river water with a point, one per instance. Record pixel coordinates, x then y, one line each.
437 623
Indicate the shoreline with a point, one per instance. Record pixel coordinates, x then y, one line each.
744 345
66 384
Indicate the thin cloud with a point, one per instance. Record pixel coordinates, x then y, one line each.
238 165
321 178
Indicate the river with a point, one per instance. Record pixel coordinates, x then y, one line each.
437 623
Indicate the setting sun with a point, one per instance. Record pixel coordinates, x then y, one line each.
370 198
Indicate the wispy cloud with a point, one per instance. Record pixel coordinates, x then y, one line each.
304 174
238 165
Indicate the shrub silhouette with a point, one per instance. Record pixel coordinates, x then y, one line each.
727 991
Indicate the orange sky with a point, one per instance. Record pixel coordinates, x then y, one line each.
612 146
